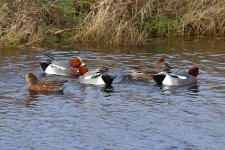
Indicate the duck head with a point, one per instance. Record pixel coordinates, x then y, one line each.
31 78
194 71
82 70
161 65
76 62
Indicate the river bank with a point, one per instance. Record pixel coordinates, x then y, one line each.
107 22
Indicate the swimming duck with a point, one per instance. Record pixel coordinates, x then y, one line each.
182 77
95 77
70 68
44 85
160 65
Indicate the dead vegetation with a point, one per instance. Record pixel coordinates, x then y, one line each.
107 22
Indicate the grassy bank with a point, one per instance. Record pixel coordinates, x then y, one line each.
107 22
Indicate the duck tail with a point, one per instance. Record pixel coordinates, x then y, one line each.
158 78
44 65
108 79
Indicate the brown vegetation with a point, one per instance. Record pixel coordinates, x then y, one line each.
107 22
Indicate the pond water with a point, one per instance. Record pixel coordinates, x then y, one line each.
131 114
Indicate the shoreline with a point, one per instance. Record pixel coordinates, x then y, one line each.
106 24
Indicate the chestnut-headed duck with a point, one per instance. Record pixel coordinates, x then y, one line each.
44 85
146 74
177 78
70 68
95 77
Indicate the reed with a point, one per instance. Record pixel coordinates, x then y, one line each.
203 18
115 22
37 22
107 22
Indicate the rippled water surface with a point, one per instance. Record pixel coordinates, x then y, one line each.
132 114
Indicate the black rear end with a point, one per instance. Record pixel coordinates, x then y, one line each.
158 78
108 79
44 65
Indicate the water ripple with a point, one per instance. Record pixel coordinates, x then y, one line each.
130 114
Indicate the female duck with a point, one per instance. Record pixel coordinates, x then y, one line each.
95 77
44 85
160 65
70 68
179 78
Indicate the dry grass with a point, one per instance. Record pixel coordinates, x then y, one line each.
129 22
203 18
115 22
107 22
19 26
30 23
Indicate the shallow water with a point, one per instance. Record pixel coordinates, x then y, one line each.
131 114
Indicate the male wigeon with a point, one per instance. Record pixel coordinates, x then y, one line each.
95 77
182 77
70 68
160 65
44 85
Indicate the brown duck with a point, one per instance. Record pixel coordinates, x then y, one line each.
44 85
146 74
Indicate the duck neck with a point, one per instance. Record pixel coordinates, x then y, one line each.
32 82
83 70
158 67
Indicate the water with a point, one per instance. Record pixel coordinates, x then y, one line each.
132 114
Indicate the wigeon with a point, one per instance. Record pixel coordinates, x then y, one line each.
160 65
95 77
70 68
44 85
182 77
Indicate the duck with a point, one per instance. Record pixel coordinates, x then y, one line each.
182 77
44 85
98 76
146 75
64 68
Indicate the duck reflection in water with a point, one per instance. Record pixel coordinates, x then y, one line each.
107 89
180 90
34 95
